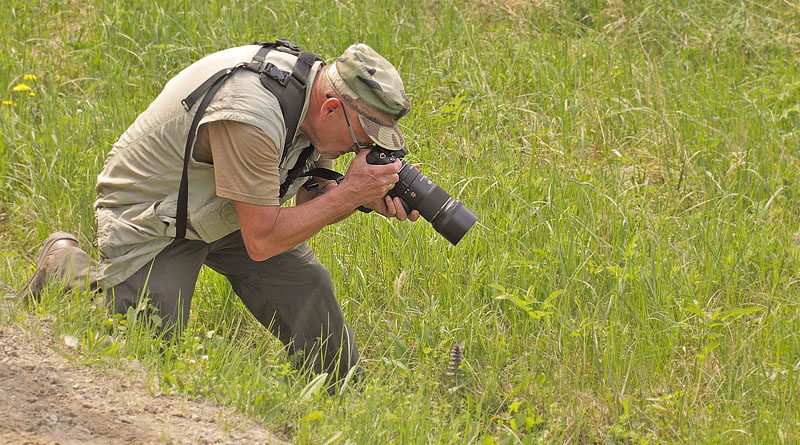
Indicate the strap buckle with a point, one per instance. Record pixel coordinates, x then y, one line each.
273 72
287 44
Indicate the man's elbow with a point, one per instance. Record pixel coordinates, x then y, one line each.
259 248
260 252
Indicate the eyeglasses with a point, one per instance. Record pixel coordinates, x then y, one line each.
356 144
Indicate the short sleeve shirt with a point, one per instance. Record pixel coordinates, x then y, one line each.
245 161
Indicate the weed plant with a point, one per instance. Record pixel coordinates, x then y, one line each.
633 276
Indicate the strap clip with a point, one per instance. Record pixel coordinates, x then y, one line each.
287 44
273 72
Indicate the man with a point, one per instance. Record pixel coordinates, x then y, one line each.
243 166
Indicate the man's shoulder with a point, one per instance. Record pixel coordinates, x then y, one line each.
244 100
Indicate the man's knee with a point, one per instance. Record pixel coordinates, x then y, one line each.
163 287
318 278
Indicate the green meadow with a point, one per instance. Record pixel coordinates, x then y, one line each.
635 272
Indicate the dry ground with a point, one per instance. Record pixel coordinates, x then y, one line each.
46 399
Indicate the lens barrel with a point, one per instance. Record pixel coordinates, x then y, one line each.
448 216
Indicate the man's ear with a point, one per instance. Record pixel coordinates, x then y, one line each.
330 105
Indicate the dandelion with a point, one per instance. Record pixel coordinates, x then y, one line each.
29 77
9 102
31 93
20 88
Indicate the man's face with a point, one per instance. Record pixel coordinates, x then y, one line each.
344 133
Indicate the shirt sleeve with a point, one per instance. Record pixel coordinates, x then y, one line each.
245 163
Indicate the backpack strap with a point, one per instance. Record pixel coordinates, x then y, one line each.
288 88
183 190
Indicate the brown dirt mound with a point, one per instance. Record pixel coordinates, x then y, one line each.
46 399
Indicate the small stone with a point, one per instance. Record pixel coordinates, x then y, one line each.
71 341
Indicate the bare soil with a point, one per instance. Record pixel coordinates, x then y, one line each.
46 399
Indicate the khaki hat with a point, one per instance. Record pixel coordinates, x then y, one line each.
370 84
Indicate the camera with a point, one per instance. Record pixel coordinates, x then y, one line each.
448 216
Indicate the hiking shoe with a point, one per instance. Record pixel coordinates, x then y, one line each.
45 264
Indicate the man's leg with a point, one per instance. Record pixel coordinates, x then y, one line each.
291 294
168 281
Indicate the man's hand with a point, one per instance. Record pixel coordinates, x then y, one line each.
366 184
393 208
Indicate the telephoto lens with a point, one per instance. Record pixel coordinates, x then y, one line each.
448 216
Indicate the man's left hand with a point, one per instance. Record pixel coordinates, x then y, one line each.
393 208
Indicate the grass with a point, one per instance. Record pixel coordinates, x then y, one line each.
634 273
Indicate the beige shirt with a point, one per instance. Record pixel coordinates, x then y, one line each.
245 161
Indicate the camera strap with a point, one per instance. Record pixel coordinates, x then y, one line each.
325 173
288 88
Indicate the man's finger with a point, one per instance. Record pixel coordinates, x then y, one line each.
361 154
390 208
400 210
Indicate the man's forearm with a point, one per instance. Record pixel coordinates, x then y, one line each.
303 196
268 231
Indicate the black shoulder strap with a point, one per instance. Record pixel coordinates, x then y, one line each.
183 190
288 88
296 171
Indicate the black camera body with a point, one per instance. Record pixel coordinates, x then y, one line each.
448 216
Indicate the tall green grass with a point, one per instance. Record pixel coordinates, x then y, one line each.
634 272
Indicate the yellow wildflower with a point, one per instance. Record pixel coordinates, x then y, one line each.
20 88
9 102
29 77
31 93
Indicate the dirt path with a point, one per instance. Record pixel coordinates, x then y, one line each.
45 399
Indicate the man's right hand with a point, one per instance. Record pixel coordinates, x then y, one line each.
366 183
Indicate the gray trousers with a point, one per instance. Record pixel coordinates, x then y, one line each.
291 294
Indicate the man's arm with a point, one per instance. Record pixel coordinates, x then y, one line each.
302 196
246 171
388 207
270 230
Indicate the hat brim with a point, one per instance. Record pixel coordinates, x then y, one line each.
388 137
